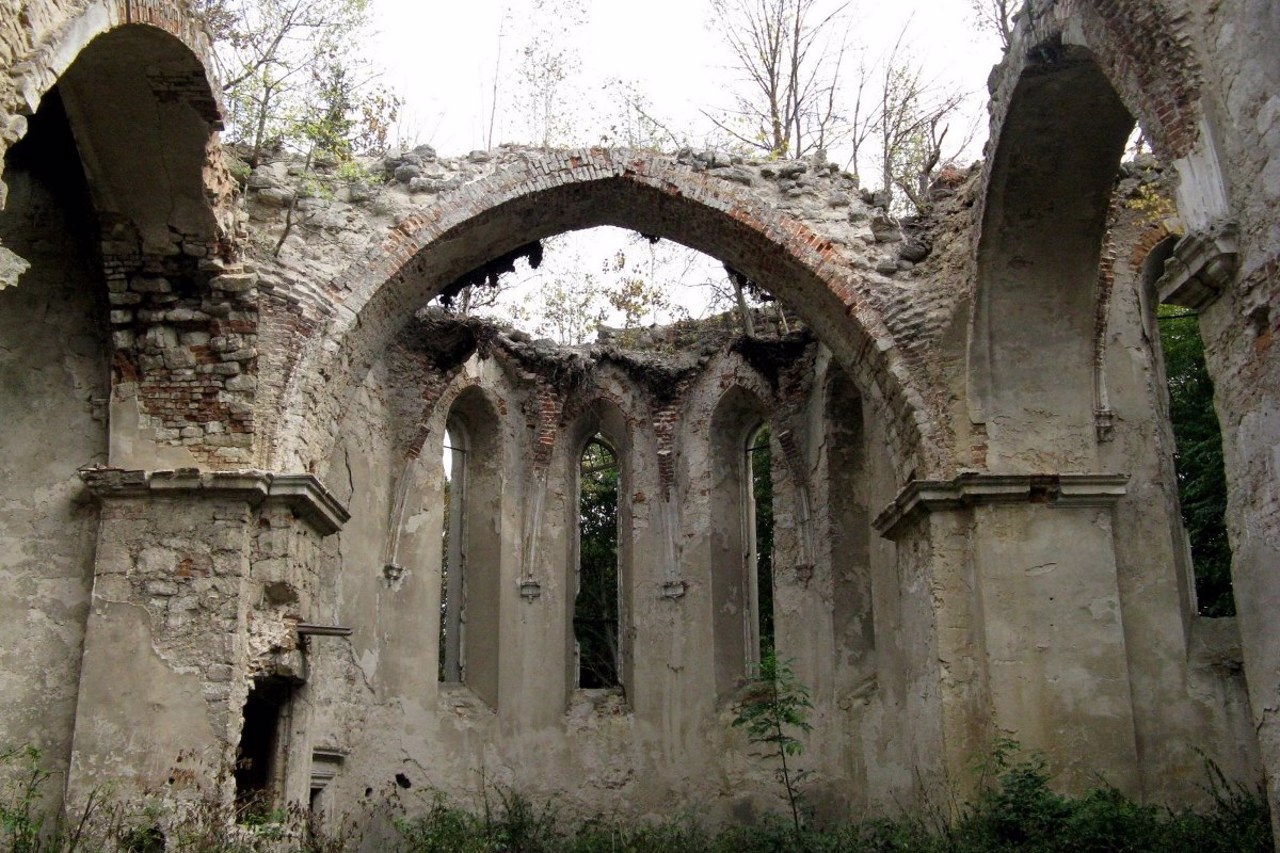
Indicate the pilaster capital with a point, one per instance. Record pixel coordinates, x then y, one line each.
302 493
977 489
1202 266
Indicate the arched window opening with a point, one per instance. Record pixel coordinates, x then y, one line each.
1202 479
453 556
471 555
596 608
741 537
758 498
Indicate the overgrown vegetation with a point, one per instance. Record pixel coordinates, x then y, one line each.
1202 479
107 823
774 712
1019 813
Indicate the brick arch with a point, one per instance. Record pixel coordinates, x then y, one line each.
1144 48
1039 263
1078 75
540 196
46 61
131 82
580 406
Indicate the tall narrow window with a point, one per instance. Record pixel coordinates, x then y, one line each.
1202 479
452 565
740 487
759 537
471 562
596 608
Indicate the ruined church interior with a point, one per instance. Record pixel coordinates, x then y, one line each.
226 475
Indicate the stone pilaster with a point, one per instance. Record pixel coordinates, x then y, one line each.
1018 574
200 583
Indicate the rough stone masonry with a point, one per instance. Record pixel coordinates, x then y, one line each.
223 489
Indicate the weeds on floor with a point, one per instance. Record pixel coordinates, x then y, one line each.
105 823
1018 812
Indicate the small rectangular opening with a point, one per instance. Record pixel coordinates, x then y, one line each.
257 770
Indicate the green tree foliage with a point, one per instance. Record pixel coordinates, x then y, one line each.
802 95
548 77
595 615
571 309
1202 482
996 16
909 124
291 79
790 54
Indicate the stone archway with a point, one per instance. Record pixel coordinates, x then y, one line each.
46 53
1066 98
541 194
120 210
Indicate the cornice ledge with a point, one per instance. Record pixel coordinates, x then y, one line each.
1202 266
303 493
976 489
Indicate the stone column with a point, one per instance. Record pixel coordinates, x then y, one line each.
201 583
1015 576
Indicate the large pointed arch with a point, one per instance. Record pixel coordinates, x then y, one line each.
1078 77
540 196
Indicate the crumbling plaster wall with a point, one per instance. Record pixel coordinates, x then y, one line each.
88 194
1240 329
53 392
665 738
1167 655
1200 78
291 366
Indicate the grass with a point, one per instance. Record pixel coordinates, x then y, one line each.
1020 812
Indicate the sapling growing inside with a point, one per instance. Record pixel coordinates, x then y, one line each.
774 710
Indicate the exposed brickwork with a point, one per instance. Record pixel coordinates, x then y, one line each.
545 410
1153 236
1146 49
1151 43
184 323
35 44
193 354
809 248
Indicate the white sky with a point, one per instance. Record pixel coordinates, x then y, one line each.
441 58
441 55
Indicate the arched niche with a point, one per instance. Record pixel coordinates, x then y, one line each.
471 613
1032 342
144 115
737 418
